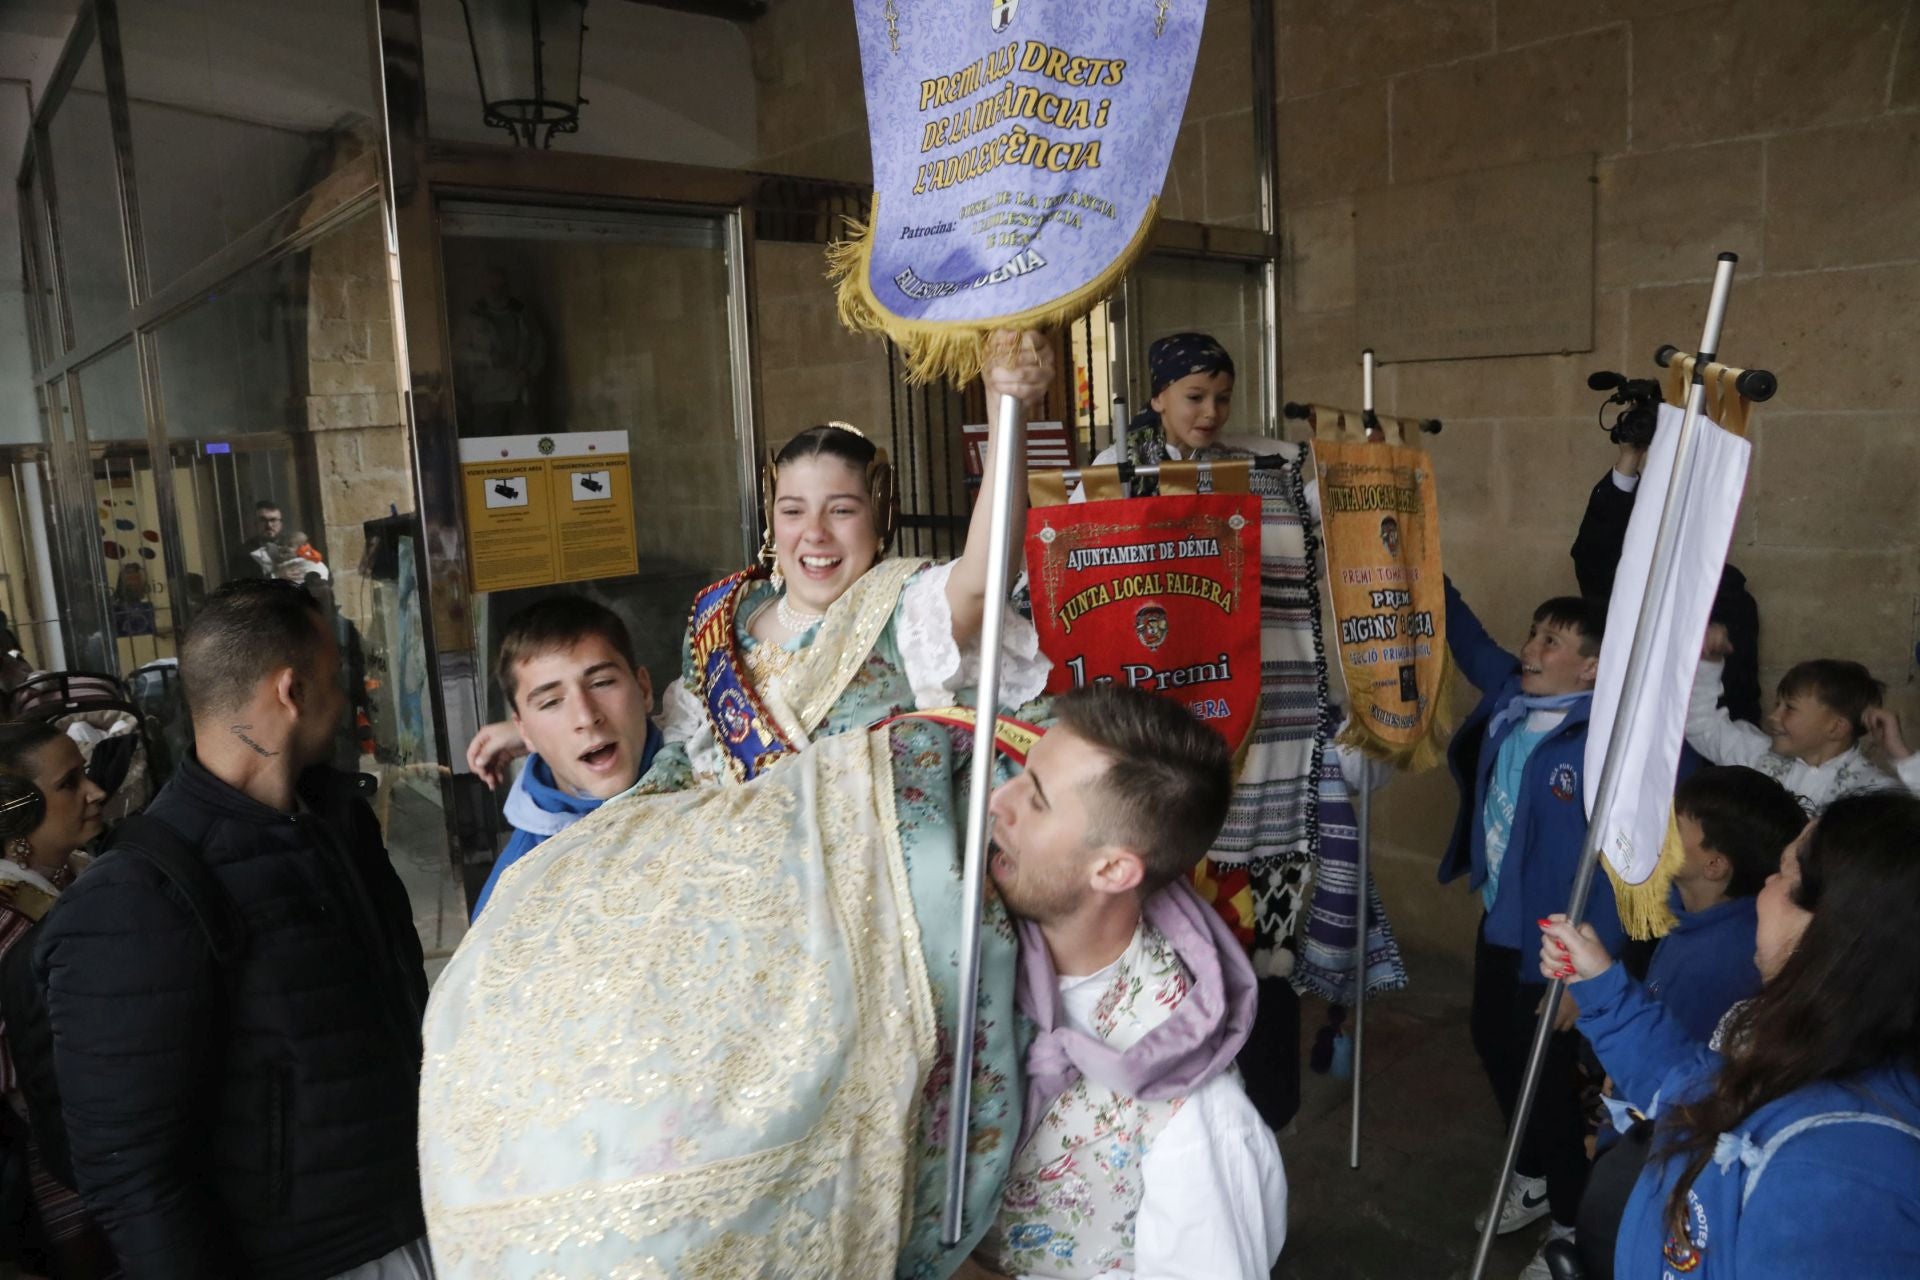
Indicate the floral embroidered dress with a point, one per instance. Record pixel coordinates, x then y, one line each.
702 1032
1075 1189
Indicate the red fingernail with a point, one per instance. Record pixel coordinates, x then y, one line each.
1544 922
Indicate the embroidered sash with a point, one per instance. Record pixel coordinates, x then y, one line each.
749 736
755 727
1013 738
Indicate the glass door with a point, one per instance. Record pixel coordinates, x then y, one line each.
567 320
1226 297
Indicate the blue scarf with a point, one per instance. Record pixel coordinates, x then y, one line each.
1522 705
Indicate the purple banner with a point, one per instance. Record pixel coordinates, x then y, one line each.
1018 146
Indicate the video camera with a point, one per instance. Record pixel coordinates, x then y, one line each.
1640 399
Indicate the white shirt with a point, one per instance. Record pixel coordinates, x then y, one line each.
1908 771
1213 1202
1723 740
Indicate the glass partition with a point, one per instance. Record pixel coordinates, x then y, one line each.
289 457
236 109
42 323
86 206
110 405
81 585
126 510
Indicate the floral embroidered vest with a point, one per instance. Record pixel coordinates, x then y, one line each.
1075 1188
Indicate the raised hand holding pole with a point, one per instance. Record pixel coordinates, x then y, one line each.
1008 446
1672 512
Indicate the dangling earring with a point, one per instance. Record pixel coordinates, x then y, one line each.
19 852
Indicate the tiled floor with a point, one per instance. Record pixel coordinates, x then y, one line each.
1430 1147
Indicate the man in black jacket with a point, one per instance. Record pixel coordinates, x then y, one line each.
251 1116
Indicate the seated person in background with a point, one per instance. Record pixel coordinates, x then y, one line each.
580 703
1140 1153
1518 760
1733 824
1811 744
1884 727
1791 1145
1596 557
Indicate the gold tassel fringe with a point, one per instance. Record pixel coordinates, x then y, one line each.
1423 753
954 348
1646 910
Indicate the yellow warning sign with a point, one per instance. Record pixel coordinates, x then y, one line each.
544 509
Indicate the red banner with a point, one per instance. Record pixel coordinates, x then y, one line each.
1159 593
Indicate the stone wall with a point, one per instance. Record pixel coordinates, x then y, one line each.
1786 132
361 455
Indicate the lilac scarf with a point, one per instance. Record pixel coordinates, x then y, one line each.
1196 1042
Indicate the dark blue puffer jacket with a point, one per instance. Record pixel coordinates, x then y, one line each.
255 1118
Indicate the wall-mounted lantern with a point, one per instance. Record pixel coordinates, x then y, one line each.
526 54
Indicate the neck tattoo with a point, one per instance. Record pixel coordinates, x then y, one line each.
240 731
795 620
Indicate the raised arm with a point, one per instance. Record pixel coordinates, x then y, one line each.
1479 657
1603 529
1020 365
1710 730
1638 1040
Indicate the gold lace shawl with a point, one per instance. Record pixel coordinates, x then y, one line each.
686 1038
800 698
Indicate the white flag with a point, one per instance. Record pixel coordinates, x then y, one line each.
1656 727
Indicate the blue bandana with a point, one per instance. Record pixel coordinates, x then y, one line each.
1520 706
1183 354
1170 359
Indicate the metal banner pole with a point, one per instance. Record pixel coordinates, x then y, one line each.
1671 512
1362 839
1010 446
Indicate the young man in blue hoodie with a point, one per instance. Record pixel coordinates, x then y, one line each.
1518 760
581 704
1734 822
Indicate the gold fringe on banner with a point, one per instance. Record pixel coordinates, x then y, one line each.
1646 909
953 349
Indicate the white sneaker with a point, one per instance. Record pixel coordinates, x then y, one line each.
1537 1269
1525 1205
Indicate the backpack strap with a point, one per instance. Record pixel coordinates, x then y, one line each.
1740 1149
147 836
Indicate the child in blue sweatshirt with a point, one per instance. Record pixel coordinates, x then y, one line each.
1791 1147
580 704
1518 761
1733 822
